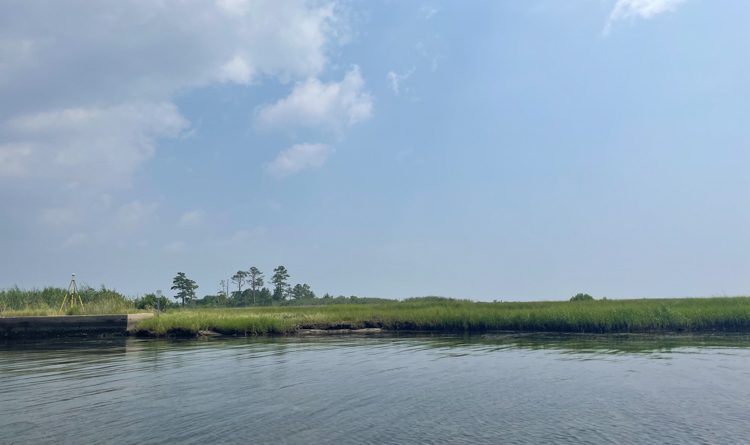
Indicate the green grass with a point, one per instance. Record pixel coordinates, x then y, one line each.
47 301
427 314
607 316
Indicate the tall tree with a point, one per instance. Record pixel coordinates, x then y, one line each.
223 295
279 280
255 279
185 287
224 288
239 278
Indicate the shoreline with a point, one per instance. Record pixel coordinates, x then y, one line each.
83 326
184 334
126 325
46 326
663 316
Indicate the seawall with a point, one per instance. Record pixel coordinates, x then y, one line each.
69 325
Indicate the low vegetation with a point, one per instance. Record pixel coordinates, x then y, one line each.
247 313
446 315
47 301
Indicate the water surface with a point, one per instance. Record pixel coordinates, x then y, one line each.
516 389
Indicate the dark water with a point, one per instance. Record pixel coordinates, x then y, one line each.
501 389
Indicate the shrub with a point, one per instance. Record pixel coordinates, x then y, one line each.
581 297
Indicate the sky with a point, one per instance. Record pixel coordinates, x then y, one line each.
491 150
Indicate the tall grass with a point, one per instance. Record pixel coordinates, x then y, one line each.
608 316
47 301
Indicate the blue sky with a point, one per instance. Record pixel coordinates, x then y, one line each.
488 150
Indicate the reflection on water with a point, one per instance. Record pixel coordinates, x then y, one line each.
529 388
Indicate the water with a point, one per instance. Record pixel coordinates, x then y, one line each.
496 389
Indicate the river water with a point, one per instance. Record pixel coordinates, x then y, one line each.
515 389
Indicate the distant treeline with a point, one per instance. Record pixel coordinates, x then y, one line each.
248 298
250 290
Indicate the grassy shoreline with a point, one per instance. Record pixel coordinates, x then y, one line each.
726 314
15 302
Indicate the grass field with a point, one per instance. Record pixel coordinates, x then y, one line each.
47 301
603 316
728 314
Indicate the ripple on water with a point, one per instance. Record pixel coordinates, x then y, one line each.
440 389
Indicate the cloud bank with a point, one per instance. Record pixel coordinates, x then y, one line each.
93 146
92 90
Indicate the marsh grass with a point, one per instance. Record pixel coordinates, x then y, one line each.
47 301
604 316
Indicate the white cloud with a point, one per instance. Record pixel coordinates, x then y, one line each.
395 79
112 53
88 92
237 70
93 88
646 9
89 145
192 218
312 103
285 39
298 158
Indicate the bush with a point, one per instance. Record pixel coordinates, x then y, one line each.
582 297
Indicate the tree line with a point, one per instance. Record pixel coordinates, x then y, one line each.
244 288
